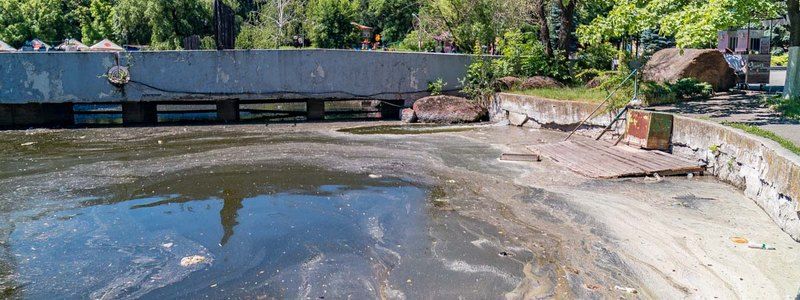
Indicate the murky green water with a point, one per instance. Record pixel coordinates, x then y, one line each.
279 231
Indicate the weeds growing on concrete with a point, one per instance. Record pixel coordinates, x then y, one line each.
789 145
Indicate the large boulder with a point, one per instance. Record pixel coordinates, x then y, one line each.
447 109
508 83
540 82
708 65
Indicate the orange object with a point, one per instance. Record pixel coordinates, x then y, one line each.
739 240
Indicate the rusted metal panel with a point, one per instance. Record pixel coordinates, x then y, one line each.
649 130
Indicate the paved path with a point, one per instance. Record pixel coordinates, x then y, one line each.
744 108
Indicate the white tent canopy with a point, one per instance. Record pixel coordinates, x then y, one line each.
6 48
72 45
106 45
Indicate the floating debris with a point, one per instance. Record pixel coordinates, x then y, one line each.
27 144
626 289
192 260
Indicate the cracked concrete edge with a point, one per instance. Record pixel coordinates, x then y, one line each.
767 173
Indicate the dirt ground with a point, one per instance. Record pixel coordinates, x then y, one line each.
632 238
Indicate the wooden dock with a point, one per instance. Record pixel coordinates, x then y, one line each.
603 160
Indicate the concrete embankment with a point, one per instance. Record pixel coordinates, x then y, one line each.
768 173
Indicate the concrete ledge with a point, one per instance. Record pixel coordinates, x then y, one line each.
768 173
545 113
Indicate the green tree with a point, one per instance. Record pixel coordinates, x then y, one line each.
328 23
393 19
693 23
22 20
130 22
99 22
171 21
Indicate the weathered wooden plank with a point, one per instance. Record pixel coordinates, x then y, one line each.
519 157
603 160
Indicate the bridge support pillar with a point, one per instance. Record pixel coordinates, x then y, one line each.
139 113
37 114
390 109
228 110
315 110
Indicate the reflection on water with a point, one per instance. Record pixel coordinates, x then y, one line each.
278 231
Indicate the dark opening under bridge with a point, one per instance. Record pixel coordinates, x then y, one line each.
40 89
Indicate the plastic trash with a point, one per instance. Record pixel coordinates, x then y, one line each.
626 289
739 240
761 246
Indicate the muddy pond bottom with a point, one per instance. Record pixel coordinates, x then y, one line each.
274 231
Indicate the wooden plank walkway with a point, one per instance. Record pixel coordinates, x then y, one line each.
603 160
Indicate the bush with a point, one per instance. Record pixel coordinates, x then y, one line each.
436 87
480 79
597 57
691 88
587 75
524 56
652 93
781 60
789 108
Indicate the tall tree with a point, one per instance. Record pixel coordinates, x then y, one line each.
793 12
98 23
693 23
224 25
567 28
539 11
328 23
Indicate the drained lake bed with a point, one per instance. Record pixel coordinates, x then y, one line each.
308 211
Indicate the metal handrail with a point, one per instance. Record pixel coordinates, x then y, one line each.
602 103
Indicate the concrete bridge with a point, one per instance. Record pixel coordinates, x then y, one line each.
41 88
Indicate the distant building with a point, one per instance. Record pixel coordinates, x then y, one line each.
747 52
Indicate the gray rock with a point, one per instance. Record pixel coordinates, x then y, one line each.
448 109
408 115
708 65
517 119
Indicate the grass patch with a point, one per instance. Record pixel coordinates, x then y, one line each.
789 145
570 93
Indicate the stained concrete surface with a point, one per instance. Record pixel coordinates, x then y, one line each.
748 108
550 231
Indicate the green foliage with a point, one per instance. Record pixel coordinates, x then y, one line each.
570 94
256 37
758 131
780 60
436 87
49 20
596 56
393 19
587 75
789 108
691 88
171 21
208 43
412 42
524 56
652 93
691 23
329 23
98 24
479 82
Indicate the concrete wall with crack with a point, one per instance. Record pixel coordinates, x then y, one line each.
81 77
766 172
537 112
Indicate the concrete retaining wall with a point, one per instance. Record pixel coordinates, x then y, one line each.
536 112
77 77
768 173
